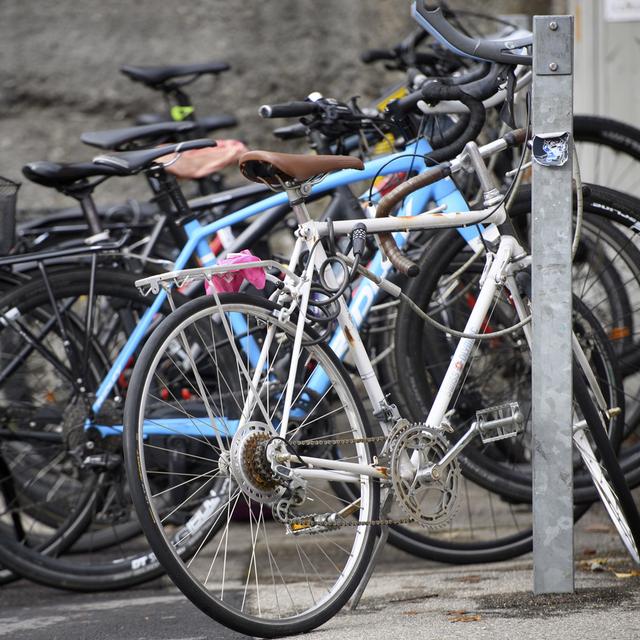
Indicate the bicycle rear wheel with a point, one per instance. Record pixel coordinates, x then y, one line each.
53 503
273 559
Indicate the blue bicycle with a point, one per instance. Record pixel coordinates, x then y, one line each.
65 327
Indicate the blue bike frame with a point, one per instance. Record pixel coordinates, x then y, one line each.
443 193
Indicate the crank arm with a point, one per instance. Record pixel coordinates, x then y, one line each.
493 424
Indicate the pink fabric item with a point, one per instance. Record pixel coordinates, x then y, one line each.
231 281
198 163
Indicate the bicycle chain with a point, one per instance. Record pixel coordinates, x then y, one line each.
344 523
311 443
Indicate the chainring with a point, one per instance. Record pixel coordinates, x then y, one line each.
430 502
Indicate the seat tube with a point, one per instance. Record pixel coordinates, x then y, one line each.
354 341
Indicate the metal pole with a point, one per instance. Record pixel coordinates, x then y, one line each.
552 120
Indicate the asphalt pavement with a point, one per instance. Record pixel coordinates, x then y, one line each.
406 598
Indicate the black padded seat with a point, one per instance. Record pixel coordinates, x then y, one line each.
151 134
63 176
128 163
154 76
207 124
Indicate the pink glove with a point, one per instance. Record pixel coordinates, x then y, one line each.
230 282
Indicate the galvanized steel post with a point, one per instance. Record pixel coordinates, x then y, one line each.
552 120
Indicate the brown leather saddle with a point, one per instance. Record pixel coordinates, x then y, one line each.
277 168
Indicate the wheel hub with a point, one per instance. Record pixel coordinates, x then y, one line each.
249 464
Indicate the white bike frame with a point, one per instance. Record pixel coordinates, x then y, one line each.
498 271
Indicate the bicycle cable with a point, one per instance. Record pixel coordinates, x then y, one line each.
459 334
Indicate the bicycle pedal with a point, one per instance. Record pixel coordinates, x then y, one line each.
311 525
499 422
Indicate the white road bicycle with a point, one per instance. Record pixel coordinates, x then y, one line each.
289 492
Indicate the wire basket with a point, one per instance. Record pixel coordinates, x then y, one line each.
8 197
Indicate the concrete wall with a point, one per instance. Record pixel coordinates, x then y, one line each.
607 80
59 63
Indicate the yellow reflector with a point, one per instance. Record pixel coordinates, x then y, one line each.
386 145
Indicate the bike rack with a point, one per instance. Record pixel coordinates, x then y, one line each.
552 121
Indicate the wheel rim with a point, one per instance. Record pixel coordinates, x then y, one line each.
288 577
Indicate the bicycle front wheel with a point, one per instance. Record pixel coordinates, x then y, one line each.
266 557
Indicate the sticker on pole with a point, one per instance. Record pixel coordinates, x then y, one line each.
551 149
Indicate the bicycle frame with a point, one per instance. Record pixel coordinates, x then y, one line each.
444 193
501 267
499 270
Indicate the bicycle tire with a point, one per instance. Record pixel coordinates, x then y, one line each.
139 466
617 152
75 571
622 506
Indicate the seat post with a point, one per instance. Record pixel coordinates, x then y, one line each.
90 213
297 194
82 192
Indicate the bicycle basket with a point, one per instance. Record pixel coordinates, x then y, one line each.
8 197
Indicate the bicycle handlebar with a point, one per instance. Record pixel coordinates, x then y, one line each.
483 87
290 132
431 18
402 263
387 242
435 92
373 55
289 109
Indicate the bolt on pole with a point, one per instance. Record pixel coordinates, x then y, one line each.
552 215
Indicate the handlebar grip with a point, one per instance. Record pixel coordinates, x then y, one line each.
436 92
439 139
485 86
425 58
477 72
388 244
288 110
290 132
406 104
373 55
